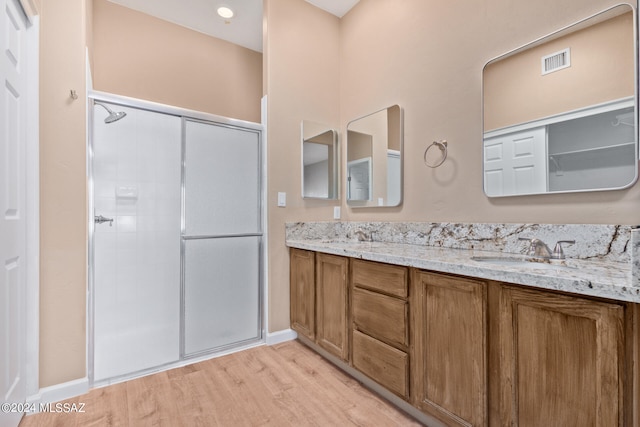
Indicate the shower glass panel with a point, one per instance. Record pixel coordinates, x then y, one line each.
221 236
221 299
136 257
222 180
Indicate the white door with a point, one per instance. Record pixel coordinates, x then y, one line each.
359 179
12 209
516 163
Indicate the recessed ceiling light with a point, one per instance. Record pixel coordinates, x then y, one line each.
225 12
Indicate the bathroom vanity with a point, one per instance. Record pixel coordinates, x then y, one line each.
453 322
469 334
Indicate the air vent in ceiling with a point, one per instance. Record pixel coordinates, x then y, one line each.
556 61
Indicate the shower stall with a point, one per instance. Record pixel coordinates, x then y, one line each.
175 236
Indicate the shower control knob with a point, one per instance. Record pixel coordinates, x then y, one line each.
100 219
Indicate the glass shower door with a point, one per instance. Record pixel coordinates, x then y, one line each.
136 169
222 237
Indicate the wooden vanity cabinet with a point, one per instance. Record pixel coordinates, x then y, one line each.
380 324
473 352
561 360
319 299
492 354
302 282
450 337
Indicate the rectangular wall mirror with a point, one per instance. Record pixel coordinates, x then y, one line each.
319 161
374 159
560 114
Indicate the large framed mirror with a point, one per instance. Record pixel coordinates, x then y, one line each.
319 161
560 114
374 159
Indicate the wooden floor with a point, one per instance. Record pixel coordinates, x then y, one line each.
282 385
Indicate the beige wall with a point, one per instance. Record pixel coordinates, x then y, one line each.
428 57
407 53
232 88
143 57
63 236
425 56
601 70
302 83
360 145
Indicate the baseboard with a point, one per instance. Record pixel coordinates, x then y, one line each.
398 402
75 388
277 337
58 392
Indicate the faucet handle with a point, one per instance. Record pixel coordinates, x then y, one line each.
558 253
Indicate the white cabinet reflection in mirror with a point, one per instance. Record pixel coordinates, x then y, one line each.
593 148
572 129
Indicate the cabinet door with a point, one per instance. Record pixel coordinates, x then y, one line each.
449 366
332 304
561 360
303 292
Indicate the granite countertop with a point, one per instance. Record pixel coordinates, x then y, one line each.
598 278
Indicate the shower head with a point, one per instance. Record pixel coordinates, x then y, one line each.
113 115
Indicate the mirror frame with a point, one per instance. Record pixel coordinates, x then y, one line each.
334 161
566 30
370 203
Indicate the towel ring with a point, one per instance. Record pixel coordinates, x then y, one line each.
442 145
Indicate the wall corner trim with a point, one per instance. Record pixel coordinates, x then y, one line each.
278 337
58 392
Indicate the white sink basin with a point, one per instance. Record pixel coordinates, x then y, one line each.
520 262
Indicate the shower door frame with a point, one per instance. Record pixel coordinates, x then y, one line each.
184 115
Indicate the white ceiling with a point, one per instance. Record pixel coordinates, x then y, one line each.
335 7
244 29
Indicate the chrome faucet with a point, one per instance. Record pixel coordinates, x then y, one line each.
362 236
539 249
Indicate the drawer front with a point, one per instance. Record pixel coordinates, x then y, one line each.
382 363
381 316
389 279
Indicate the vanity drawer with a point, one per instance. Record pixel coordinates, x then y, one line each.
389 279
381 362
381 316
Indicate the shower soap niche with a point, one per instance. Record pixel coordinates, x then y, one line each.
126 192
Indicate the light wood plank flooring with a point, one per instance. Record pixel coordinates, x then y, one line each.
283 385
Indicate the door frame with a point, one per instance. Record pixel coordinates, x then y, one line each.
31 167
32 347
